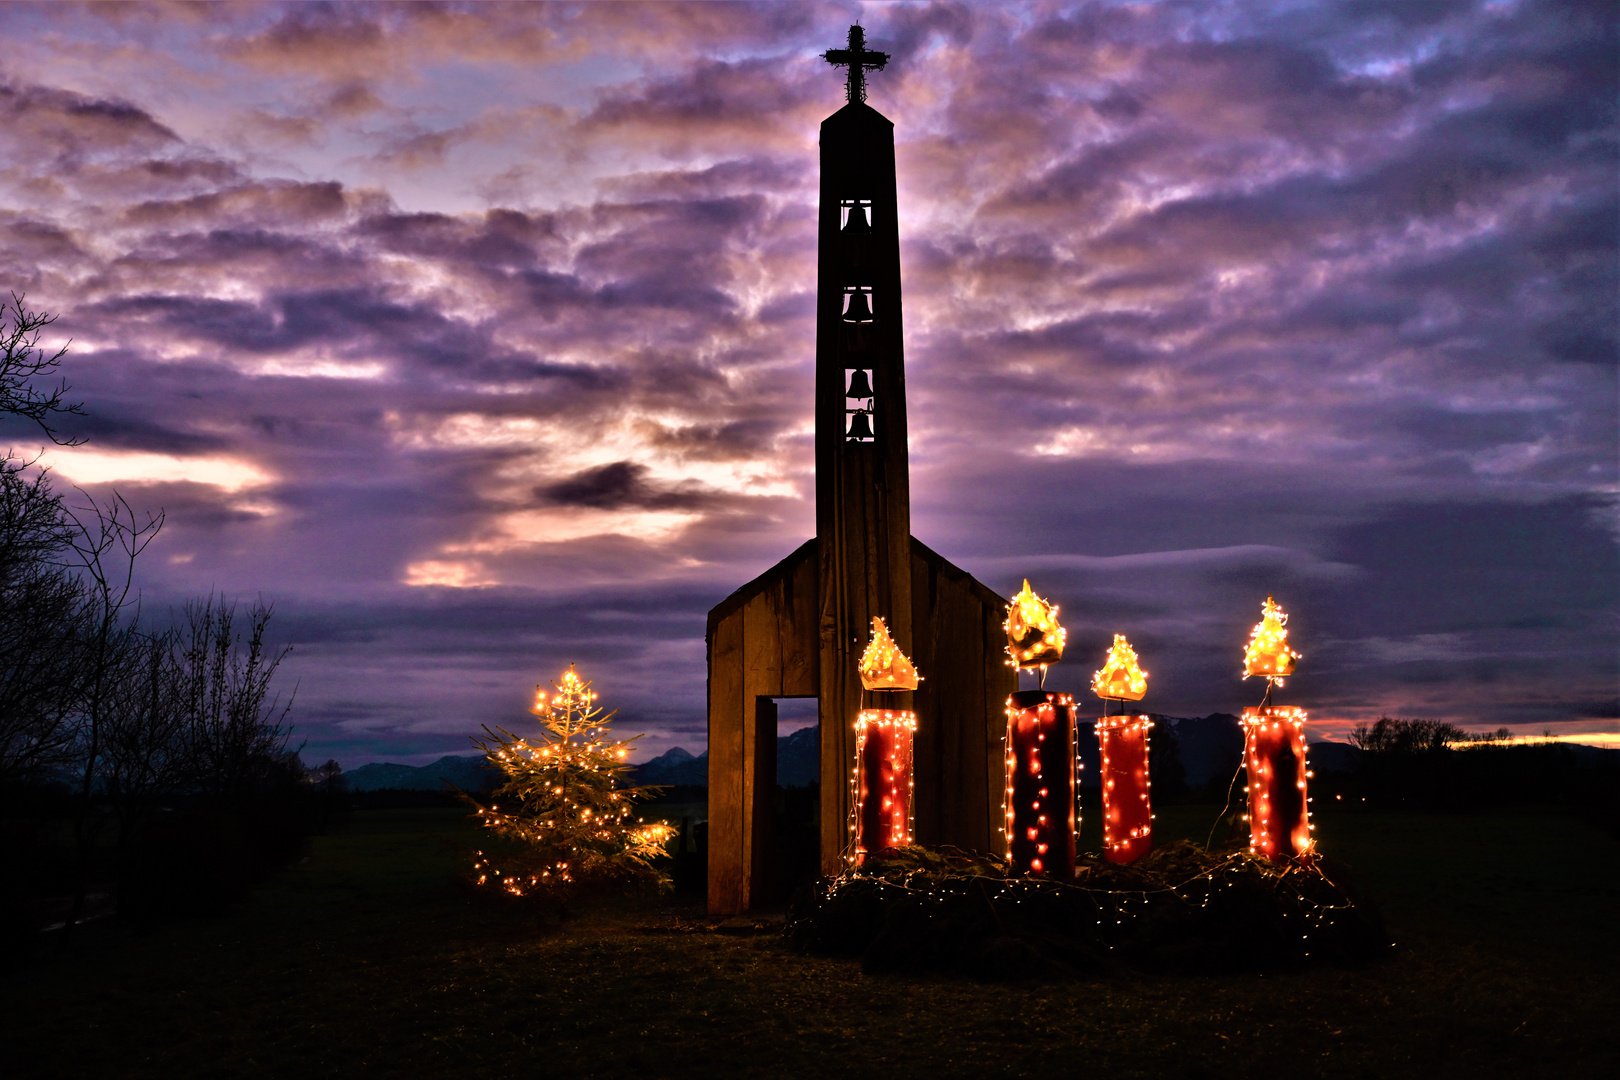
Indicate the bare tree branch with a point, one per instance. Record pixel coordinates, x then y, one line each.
22 361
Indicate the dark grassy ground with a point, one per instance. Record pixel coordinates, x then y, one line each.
366 961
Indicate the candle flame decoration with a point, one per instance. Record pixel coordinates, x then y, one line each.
883 665
1034 638
1120 679
1268 653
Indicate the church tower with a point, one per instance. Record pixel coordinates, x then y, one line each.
799 629
863 482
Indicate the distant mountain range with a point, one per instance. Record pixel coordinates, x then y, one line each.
467 773
798 763
1211 749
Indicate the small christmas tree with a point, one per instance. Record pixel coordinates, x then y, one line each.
562 810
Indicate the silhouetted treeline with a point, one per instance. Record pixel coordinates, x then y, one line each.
1431 765
143 764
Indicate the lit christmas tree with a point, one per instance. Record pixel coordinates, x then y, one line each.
567 819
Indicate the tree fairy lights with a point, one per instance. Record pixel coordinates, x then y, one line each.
1123 742
568 819
881 782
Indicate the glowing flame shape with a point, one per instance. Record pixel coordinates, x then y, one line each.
1033 634
1120 679
1268 653
883 665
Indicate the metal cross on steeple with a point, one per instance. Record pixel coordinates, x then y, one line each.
857 58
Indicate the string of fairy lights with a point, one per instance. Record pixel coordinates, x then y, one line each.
881 808
1116 911
1037 823
572 813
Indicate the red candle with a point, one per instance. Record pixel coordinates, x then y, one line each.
1274 757
1127 810
1041 818
882 802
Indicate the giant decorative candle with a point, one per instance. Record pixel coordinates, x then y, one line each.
882 781
1041 815
1127 809
880 796
1123 740
1274 757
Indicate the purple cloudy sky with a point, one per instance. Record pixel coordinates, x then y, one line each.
478 337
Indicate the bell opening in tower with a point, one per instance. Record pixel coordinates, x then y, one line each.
857 306
855 215
859 404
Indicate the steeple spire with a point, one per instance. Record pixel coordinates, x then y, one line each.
857 58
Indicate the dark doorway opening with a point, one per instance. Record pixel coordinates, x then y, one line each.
797 797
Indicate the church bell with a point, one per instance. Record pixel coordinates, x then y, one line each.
860 427
859 385
860 307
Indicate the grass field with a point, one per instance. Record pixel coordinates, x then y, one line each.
366 960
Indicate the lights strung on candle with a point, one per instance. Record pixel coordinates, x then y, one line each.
1039 802
881 805
1126 787
881 783
1274 757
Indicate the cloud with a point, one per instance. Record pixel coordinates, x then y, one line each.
514 332
618 485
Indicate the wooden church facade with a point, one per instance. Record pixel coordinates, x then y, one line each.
798 630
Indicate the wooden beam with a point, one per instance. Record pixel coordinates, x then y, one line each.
726 895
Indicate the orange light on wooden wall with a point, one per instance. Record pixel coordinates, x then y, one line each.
882 803
1042 818
1274 758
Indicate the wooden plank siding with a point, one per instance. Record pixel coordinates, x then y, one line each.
726 771
956 623
767 641
761 645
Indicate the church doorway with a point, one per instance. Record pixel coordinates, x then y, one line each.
797 826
